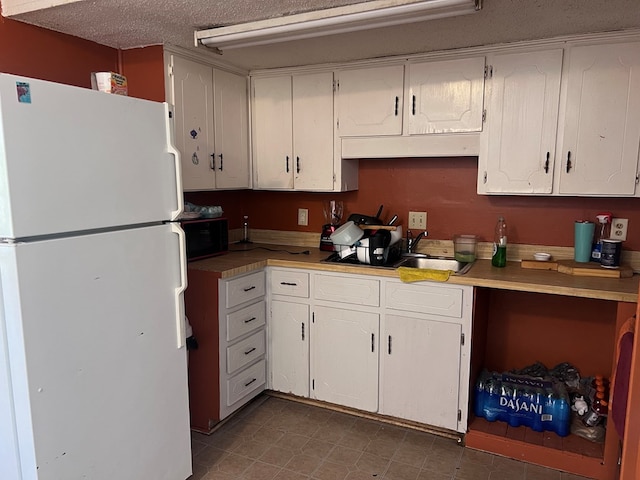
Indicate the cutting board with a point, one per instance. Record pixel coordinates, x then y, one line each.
593 270
537 265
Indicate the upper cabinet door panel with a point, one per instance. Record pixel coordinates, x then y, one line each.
601 133
370 101
272 133
231 126
194 133
446 96
313 131
518 147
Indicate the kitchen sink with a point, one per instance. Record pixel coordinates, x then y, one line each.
435 263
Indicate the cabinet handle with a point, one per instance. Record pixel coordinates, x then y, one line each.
250 382
287 159
546 164
249 288
253 349
413 104
389 347
292 284
302 330
249 320
568 161
396 106
297 164
373 339
221 166
213 161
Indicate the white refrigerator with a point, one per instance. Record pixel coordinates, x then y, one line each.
93 363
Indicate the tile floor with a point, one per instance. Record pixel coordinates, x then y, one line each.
277 439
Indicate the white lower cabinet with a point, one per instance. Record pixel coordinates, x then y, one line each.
420 370
289 347
372 343
242 340
344 357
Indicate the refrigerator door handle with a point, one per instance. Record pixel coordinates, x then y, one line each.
180 321
177 161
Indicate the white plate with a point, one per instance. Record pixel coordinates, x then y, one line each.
542 257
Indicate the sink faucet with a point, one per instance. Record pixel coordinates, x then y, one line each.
412 243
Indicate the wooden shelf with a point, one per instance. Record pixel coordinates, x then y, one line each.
573 454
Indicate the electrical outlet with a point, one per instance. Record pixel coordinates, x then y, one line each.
619 227
303 216
417 221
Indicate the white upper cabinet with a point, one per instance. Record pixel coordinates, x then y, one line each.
517 149
446 96
370 101
293 132
563 126
601 128
211 125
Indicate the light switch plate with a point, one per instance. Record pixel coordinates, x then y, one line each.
303 216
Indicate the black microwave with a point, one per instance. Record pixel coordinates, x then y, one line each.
206 237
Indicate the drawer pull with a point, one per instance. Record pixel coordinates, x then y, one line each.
373 339
250 382
249 320
413 104
302 330
249 288
291 284
568 161
389 344
546 164
253 349
395 110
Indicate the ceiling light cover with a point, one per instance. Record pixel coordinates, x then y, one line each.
351 18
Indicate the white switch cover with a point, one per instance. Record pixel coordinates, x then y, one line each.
303 216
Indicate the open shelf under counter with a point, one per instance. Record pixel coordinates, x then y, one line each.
572 453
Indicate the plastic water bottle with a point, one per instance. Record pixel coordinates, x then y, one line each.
499 258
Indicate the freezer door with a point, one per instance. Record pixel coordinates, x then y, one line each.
75 159
94 382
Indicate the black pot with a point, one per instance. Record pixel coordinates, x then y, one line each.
379 247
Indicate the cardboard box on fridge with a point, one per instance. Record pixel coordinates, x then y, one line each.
109 82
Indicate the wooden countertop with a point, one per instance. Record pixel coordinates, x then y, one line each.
244 258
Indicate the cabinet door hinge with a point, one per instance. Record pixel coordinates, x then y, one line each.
484 115
170 69
484 180
488 71
637 178
462 339
336 85
459 415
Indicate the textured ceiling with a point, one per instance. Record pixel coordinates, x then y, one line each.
133 23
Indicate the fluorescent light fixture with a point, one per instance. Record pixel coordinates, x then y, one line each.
332 21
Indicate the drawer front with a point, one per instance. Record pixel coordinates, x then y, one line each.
435 300
245 351
245 320
352 289
291 283
246 382
245 288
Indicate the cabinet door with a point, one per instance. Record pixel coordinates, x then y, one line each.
601 133
289 347
272 133
518 144
421 371
344 358
313 131
192 97
446 96
370 101
231 130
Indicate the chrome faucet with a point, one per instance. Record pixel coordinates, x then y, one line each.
412 243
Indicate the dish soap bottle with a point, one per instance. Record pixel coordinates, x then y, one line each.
602 232
499 258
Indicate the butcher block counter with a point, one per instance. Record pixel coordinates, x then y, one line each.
245 258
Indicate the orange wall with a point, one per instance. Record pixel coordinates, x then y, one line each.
445 188
144 69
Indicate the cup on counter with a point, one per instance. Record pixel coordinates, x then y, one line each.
583 238
610 254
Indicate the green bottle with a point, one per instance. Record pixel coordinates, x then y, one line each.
499 258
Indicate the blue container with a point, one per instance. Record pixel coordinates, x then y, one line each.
540 404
